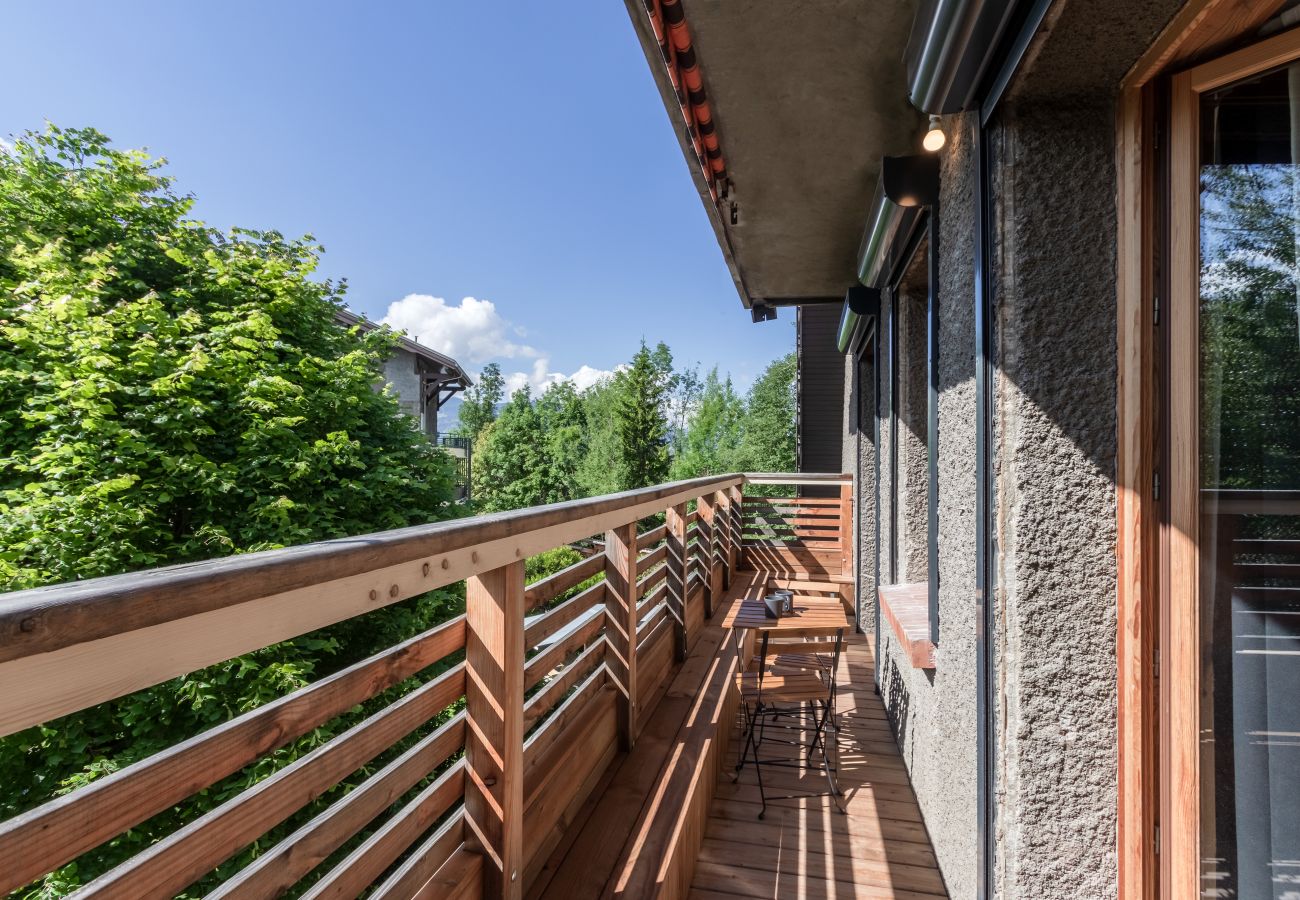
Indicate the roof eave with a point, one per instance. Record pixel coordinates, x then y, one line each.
650 47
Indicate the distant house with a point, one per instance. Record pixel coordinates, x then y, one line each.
423 379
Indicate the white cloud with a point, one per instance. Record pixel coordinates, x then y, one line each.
540 378
471 332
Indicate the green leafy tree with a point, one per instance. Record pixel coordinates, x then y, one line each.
600 471
478 407
641 422
710 442
768 441
563 418
169 392
512 466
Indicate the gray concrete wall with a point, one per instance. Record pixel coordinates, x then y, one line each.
933 712
1054 506
1054 190
911 531
404 382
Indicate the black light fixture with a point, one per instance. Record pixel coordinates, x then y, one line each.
761 312
911 181
863 300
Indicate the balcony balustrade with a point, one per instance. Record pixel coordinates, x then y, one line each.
539 694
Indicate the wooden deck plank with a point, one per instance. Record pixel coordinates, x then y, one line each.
804 847
880 871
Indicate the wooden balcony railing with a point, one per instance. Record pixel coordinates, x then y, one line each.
541 685
813 534
545 691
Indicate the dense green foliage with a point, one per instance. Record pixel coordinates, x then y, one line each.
171 393
640 419
478 406
643 425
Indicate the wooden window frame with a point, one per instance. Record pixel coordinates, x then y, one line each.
1157 554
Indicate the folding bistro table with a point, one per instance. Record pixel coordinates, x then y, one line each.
805 676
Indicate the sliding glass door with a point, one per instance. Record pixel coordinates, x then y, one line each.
1231 698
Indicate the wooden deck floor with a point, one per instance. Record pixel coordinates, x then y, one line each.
804 847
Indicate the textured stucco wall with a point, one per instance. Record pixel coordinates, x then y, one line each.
400 374
912 529
1054 189
933 713
860 459
1055 502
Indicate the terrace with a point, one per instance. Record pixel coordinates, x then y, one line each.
572 737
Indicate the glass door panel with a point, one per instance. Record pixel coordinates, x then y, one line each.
1248 408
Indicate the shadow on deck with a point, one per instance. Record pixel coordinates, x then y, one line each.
670 821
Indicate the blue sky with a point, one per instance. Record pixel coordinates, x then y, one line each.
514 153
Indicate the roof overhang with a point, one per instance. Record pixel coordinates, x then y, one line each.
803 101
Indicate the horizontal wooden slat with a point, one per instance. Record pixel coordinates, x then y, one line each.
78 644
651 537
794 543
797 478
51 835
540 665
651 559
280 867
359 869
658 595
647 584
423 861
577 707
459 878
187 854
790 501
658 614
553 620
541 703
541 592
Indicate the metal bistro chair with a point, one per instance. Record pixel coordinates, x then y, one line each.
797 686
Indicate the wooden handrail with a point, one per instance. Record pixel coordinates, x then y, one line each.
79 644
44 619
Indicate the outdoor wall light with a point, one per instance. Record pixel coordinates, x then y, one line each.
934 138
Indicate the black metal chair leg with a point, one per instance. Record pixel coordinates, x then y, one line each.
758 767
749 734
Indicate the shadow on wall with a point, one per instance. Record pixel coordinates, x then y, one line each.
897 700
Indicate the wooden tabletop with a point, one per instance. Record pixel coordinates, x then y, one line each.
812 616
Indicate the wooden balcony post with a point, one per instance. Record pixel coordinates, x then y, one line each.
846 528
494 739
708 530
675 539
620 624
722 536
734 526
